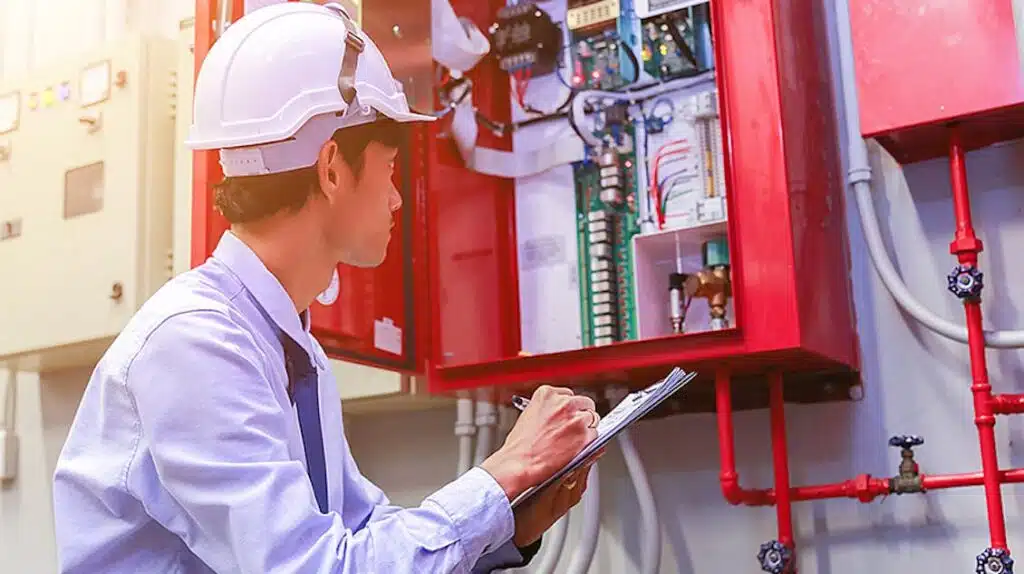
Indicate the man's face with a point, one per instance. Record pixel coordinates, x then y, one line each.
359 211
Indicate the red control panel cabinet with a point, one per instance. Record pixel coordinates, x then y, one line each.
787 229
451 283
921 64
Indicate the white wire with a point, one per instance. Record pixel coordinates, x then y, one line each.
859 177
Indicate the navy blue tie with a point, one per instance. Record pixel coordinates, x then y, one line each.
305 393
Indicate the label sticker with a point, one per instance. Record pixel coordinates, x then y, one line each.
330 295
387 336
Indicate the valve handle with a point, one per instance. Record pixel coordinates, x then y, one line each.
965 281
994 561
775 557
906 441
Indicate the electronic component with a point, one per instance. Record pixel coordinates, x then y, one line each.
524 36
676 298
601 55
588 13
677 44
686 175
602 61
607 222
713 282
611 176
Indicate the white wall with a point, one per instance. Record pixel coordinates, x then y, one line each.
915 383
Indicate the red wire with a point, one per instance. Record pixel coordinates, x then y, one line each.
655 189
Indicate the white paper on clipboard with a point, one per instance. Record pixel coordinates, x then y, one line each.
631 409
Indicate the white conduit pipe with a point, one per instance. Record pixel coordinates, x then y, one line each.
859 178
553 544
583 556
486 430
10 400
8 433
650 552
464 430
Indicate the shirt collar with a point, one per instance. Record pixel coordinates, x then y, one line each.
265 289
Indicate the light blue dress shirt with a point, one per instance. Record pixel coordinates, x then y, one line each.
186 455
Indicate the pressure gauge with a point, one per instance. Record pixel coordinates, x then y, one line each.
10 112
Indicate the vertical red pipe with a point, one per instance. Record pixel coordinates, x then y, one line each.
780 460
726 447
966 247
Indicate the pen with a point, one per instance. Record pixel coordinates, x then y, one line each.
520 403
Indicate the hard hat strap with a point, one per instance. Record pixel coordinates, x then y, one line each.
354 46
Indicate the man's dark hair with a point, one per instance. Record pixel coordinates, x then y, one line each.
251 198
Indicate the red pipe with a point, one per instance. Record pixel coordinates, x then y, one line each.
780 460
1007 404
864 488
729 479
973 479
966 247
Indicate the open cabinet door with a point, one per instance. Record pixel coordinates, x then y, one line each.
373 320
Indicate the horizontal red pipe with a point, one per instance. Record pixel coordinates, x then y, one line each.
973 479
1007 404
864 488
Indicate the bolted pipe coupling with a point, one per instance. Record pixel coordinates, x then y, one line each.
994 561
775 557
965 281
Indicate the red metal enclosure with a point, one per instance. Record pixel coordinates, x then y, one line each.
786 227
461 325
922 63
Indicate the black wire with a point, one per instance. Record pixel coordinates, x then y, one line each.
632 60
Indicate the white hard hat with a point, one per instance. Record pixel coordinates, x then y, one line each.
281 80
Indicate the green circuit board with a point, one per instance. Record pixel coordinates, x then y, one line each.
599 61
674 44
623 223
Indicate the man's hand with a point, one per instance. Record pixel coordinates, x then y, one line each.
549 433
540 512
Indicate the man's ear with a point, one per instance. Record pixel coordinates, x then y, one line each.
326 170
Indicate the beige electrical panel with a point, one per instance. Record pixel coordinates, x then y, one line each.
86 188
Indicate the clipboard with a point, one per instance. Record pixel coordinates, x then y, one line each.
631 409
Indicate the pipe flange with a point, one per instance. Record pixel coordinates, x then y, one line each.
994 561
965 281
775 557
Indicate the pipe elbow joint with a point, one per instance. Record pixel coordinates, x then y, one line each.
731 490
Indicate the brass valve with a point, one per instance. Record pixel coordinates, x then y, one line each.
712 284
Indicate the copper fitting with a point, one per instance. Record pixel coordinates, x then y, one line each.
712 284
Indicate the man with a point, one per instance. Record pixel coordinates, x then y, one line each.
210 435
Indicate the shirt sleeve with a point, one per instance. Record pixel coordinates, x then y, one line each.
216 434
469 485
